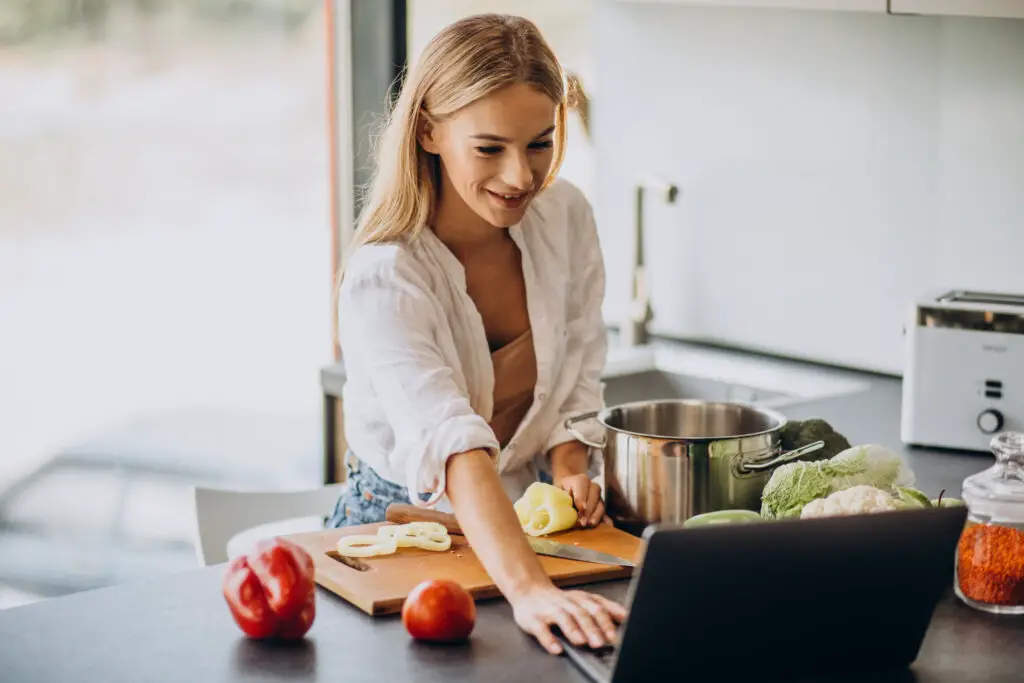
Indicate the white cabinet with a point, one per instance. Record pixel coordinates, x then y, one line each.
1013 9
828 5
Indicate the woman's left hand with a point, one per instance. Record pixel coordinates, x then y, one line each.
586 496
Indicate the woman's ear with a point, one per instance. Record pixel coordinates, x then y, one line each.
425 134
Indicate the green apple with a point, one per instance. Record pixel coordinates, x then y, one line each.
723 517
912 498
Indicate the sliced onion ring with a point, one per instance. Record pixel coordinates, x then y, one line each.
365 545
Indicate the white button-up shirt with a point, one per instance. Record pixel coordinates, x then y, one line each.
420 380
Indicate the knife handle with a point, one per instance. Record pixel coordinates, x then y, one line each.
403 513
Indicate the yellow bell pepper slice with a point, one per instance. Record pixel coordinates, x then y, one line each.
545 509
388 539
425 535
365 545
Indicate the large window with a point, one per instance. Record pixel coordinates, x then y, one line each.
164 268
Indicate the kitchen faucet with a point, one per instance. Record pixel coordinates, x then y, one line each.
633 330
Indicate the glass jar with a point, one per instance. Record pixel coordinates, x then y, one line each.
990 554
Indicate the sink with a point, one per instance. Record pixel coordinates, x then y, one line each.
670 370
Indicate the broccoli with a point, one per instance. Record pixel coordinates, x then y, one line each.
799 433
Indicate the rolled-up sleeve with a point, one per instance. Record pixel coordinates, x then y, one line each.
587 345
387 327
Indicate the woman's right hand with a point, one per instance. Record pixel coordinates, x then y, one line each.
489 522
584 618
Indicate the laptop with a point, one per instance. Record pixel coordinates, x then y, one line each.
781 600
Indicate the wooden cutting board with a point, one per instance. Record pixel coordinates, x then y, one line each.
380 584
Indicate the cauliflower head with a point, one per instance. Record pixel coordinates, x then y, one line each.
870 464
856 500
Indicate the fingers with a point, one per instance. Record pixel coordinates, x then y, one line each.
579 489
617 611
570 627
586 497
601 617
584 620
595 505
542 632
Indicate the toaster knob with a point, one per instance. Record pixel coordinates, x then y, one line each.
990 421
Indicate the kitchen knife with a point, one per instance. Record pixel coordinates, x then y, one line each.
544 546
401 513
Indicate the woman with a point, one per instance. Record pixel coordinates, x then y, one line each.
470 313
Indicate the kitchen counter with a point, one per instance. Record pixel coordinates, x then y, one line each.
177 627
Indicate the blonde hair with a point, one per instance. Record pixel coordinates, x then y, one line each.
465 62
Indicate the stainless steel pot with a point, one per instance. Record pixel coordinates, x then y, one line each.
666 461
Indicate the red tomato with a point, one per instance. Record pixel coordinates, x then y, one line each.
440 611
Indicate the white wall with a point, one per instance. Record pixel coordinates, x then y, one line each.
832 166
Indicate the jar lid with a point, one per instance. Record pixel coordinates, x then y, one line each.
1004 481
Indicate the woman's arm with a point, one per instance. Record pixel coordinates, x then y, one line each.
567 459
489 522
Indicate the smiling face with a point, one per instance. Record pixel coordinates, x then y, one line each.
496 153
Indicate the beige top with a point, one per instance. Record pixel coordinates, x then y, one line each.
515 377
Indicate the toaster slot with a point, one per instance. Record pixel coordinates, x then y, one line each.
983 298
961 319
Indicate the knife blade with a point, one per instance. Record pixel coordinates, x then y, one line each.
401 513
544 546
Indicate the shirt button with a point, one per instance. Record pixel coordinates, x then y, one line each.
541 396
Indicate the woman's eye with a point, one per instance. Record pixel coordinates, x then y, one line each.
488 150
546 144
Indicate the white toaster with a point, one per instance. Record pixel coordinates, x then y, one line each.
963 378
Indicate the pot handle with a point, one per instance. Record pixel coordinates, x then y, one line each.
783 458
568 424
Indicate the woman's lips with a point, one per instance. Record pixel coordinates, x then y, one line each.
509 201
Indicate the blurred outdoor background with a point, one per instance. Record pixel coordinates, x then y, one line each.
164 271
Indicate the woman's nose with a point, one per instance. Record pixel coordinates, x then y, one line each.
517 173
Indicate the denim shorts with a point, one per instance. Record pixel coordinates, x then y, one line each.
366 496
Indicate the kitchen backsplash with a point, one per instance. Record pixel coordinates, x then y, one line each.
832 166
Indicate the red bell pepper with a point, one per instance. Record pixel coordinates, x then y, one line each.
271 592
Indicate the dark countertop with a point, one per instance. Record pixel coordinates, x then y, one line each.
177 628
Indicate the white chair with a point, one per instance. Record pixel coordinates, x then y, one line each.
222 515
